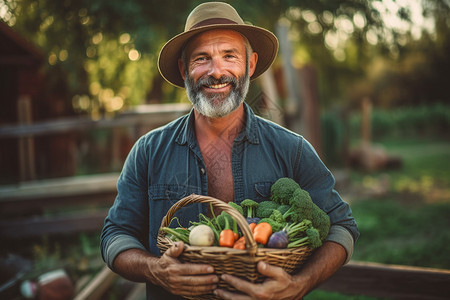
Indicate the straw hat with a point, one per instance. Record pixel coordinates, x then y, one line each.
216 15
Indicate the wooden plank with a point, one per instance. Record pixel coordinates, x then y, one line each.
155 114
138 292
98 286
34 196
89 221
392 281
60 187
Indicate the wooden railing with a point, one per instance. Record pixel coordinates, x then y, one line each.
356 278
138 121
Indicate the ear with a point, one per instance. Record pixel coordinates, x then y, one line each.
182 68
253 59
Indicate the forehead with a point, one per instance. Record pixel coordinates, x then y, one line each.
216 37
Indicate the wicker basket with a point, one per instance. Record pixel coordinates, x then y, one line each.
240 263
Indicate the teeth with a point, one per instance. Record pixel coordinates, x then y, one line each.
217 86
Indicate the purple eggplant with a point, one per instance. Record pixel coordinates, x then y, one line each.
278 240
253 220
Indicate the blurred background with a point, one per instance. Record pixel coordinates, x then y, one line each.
366 82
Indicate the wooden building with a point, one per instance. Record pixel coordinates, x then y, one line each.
20 87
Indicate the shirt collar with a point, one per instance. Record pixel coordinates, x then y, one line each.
250 132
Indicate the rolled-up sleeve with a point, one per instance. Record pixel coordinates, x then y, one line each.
126 225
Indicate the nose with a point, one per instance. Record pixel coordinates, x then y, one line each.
216 69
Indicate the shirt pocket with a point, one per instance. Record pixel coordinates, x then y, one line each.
170 192
262 191
163 196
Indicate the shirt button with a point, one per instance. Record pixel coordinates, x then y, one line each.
202 170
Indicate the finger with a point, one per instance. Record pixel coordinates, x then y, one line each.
192 269
195 289
269 270
224 294
175 250
239 284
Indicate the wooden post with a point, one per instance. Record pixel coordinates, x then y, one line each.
272 105
366 128
311 107
294 102
26 144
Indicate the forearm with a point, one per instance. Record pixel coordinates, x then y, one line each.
325 261
135 265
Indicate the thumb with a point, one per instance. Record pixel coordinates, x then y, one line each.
175 250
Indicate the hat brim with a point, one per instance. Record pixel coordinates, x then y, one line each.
262 41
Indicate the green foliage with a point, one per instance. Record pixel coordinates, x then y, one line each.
424 120
323 295
94 46
236 207
334 137
396 233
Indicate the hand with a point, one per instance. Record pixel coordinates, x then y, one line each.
279 285
182 278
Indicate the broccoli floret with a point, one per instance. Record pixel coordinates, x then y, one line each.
275 220
312 239
282 190
249 206
265 208
297 230
283 208
236 207
277 216
301 206
274 224
321 221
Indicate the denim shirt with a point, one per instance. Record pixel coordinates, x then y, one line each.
166 165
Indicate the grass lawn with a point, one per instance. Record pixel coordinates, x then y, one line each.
407 221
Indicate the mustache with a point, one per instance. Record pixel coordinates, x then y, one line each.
210 80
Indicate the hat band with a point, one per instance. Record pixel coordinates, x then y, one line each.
213 21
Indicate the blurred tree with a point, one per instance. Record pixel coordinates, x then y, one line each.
419 73
102 53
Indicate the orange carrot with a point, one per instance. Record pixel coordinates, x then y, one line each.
252 226
226 238
240 243
262 232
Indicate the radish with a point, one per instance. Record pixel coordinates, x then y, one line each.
201 235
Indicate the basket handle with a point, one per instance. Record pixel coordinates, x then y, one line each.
251 245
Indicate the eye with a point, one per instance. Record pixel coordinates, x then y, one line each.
200 58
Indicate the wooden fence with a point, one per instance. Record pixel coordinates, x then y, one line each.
355 278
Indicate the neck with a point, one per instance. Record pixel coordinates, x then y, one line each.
227 127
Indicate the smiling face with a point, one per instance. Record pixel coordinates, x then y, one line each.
216 68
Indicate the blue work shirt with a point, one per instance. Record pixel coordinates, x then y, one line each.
166 165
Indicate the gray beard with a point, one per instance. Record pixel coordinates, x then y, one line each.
215 105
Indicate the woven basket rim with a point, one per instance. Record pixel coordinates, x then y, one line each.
251 246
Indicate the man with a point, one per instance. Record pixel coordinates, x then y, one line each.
223 150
